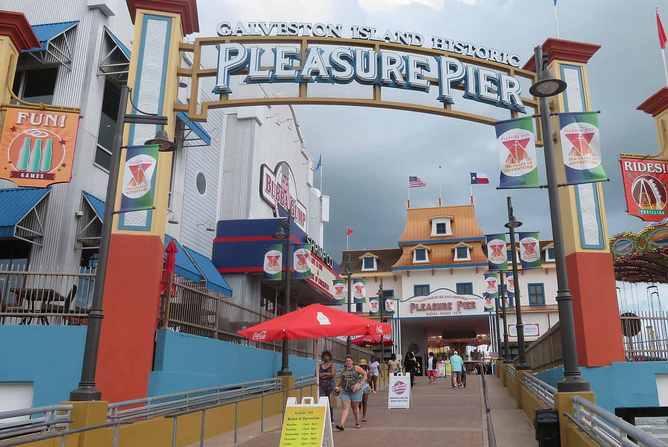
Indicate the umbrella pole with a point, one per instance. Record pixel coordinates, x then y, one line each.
317 369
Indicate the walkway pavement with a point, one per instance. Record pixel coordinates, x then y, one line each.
440 416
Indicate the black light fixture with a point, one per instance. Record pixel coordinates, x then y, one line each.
172 221
280 232
162 140
547 84
513 223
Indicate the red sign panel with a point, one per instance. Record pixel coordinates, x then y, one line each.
645 188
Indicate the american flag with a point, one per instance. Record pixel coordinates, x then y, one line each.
415 182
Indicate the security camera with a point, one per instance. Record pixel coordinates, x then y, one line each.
78 214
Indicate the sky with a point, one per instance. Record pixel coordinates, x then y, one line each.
368 154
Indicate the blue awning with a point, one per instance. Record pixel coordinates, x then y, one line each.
184 266
197 128
15 204
47 32
96 204
117 41
213 279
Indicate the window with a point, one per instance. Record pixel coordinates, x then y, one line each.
107 129
462 253
549 254
36 85
420 255
421 290
359 307
464 288
201 183
441 226
536 295
369 263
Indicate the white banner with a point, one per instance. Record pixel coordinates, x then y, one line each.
530 330
399 395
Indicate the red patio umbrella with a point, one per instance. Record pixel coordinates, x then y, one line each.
370 340
314 321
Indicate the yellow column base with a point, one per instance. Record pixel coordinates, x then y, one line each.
289 382
87 414
564 404
502 372
519 383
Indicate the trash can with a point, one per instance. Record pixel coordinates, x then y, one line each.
546 423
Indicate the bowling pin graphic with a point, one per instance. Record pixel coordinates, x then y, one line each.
35 157
47 155
24 155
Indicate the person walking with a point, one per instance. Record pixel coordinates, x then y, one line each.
366 390
326 375
393 365
456 364
350 386
431 368
410 364
374 370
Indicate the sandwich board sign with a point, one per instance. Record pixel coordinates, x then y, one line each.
307 424
399 395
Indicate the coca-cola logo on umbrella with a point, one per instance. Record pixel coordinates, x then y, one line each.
259 335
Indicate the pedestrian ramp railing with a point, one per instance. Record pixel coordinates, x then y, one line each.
511 371
542 390
606 429
186 418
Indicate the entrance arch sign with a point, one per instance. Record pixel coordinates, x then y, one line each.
328 70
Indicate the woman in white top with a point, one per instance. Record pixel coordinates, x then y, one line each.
374 371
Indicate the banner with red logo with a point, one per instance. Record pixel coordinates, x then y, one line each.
359 290
340 291
302 261
529 250
516 142
497 256
37 147
581 148
273 262
645 188
374 305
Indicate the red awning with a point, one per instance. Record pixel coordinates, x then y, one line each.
370 340
314 321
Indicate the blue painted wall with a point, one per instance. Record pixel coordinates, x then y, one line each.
187 362
620 385
48 356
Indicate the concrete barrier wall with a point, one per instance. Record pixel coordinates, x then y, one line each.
187 362
49 357
530 403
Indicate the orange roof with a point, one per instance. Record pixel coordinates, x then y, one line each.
418 226
441 254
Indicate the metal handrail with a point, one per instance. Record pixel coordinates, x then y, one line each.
491 436
511 371
54 417
607 429
542 390
168 403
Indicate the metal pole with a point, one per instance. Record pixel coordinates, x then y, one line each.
381 301
572 381
86 390
522 364
350 297
502 294
498 329
285 354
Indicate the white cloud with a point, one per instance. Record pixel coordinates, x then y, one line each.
375 6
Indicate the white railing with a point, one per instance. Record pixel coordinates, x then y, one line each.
607 429
542 390
32 421
511 371
169 403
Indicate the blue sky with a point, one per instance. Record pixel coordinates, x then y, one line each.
368 154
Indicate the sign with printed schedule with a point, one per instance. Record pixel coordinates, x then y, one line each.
307 424
399 393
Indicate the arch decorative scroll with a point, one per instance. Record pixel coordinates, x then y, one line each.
463 73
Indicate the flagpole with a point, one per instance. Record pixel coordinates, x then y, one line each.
409 196
471 188
663 44
440 187
665 68
556 20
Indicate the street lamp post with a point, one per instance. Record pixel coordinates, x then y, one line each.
349 275
511 225
548 86
282 234
498 329
381 303
502 298
86 390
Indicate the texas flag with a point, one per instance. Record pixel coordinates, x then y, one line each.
478 178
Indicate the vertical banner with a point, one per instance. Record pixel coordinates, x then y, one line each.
340 291
302 261
491 290
139 173
581 147
510 289
37 147
645 188
273 262
374 305
516 142
389 305
359 290
529 250
496 252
